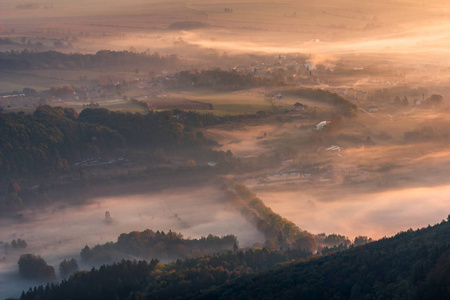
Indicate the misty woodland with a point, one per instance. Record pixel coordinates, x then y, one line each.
224 149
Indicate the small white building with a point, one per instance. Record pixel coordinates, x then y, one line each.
321 125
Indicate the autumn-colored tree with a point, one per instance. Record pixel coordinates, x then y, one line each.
16 187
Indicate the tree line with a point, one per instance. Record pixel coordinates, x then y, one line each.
342 106
282 233
150 244
410 265
279 232
104 59
218 79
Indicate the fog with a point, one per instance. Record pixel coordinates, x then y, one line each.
376 215
332 27
61 232
430 39
375 190
244 141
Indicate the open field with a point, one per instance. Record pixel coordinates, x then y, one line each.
18 81
176 103
114 105
229 103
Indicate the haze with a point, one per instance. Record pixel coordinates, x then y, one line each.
60 233
382 169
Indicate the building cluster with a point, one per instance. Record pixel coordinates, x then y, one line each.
295 70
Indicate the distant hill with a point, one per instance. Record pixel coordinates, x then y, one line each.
410 265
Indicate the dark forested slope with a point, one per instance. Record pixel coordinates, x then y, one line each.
54 138
154 280
55 141
410 265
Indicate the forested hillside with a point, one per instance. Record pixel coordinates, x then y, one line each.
55 141
50 139
410 265
154 280
221 80
53 138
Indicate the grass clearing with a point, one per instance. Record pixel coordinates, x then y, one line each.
113 105
229 103
34 80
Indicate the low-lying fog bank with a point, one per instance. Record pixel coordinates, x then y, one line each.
244 141
375 215
60 233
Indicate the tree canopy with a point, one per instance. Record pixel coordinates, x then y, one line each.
410 265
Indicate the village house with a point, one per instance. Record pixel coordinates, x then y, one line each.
294 113
373 108
299 107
